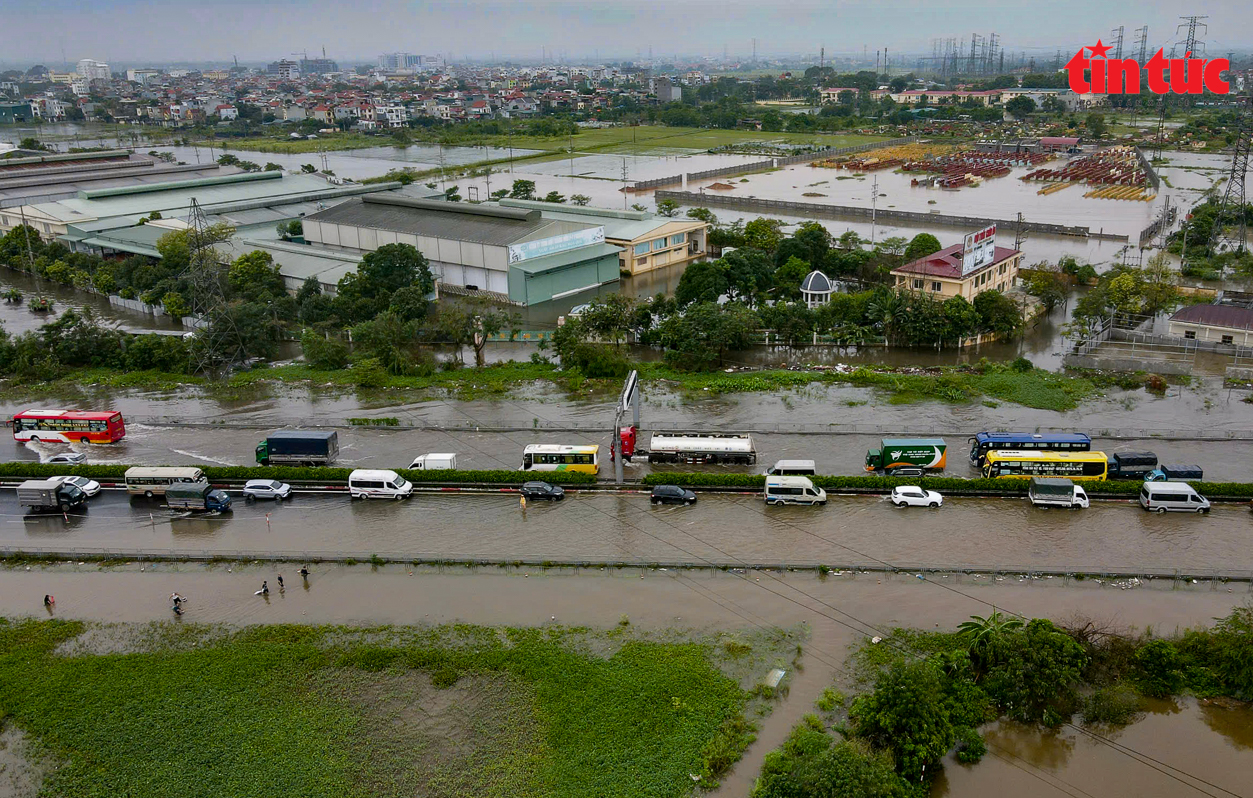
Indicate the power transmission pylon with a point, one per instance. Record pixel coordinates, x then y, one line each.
217 343
1234 200
1118 32
1142 39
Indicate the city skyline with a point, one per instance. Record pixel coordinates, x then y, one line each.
560 30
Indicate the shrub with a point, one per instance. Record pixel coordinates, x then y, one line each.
328 354
1160 669
1155 383
970 746
1117 705
29 470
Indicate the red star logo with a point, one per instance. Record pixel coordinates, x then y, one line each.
1099 49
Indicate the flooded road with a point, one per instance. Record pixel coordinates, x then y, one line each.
720 529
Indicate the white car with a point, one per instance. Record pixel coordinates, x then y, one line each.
266 489
68 458
914 496
89 487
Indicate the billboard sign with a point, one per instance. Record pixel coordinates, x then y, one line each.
979 249
554 244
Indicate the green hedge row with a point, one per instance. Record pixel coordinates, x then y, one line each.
242 473
942 484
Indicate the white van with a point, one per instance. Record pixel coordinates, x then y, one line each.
364 483
793 490
793 468
1174 497
436 461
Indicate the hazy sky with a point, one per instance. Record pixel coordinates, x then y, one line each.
135 32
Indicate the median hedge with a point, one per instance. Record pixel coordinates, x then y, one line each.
1127 488
30 470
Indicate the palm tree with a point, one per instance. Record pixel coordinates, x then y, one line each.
886 309
983 633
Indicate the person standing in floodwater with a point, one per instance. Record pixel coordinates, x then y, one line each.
265 588
280 582
49 601
304 572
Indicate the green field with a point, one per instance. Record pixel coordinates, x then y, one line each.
645 140
187 711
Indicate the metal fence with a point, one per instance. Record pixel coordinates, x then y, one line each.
603 426
1211 577
787 207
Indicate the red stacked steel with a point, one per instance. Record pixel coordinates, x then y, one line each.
1109 168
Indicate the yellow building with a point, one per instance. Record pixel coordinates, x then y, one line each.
949 272
647 241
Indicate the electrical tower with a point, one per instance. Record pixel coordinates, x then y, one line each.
1190 43
218 343
1142 39
1234 203
1117 32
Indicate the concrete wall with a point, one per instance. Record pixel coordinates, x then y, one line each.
1125 364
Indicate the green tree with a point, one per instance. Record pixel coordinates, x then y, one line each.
579 199
703 281
389 339
254 277
789 276
392 267
998 313
1033 673
1047 286
906 714
750 274
554 197
1020 107
700 338
703 214
175 304
763 234
920 246
523 189
668 208
1095 123
321 352
810 764
273 167
1160 669
410 303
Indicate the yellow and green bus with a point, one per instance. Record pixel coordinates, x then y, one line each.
1023 464
554 457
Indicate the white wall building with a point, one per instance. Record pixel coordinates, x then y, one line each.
93 70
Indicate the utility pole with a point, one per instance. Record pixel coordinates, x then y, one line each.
625 193
874 206
1117 33
1019 233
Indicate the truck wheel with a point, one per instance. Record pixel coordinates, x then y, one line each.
147 494
64 507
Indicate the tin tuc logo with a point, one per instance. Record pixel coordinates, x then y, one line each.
1102 75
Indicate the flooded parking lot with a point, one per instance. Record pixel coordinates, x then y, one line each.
720 529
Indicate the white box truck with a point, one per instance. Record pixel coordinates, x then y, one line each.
1056 492
436 461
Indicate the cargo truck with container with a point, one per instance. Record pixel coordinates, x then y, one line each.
1131 465
907 455
197 497
298 447
49 494
1056 492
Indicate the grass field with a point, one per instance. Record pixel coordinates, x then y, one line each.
647 139
188 711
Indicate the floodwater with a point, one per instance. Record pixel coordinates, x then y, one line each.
838 612
17 318
231 441
1180 747
720 529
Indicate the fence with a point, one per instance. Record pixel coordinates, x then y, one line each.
602 427
1149 173
1213 578
1162 222
757 166
705 199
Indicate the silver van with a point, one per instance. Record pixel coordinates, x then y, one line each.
792 468
793 490
1174 497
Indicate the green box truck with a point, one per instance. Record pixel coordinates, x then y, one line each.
907 455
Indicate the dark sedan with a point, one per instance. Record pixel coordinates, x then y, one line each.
542 490
672 494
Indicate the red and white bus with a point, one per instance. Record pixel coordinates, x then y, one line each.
68 426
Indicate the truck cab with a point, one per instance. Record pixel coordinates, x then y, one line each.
1175 473
197 496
